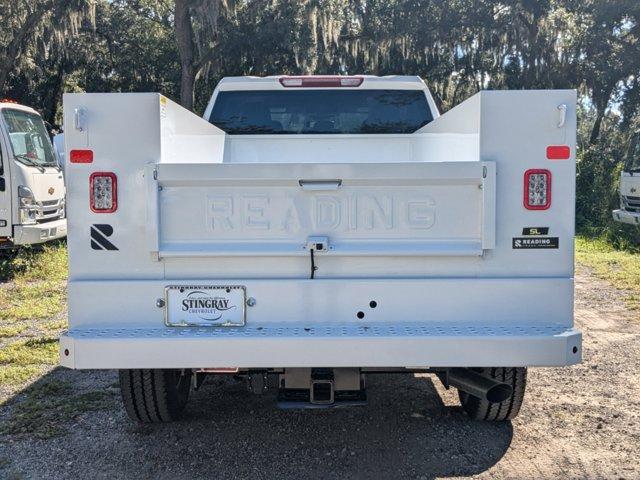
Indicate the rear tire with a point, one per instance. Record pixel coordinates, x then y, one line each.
154 396
508 409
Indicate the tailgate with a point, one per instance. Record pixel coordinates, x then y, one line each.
375 209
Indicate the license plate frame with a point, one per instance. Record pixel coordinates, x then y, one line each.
207 306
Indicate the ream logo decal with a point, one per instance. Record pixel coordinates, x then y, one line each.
535 231
99 234
535 242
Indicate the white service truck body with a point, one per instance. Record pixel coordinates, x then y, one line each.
451 246
32 191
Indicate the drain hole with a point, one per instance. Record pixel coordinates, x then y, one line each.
575 349
360 315
373 304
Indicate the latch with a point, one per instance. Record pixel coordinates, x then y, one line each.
316 244
319 244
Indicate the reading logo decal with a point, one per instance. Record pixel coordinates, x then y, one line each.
99 234
535 242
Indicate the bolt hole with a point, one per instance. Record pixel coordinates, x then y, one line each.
575 349
66 352
228 290
360 315
373 304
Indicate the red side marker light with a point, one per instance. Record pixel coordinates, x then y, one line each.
81 156
558 152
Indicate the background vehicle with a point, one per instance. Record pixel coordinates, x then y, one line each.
629 211
32 192
319 229
58 149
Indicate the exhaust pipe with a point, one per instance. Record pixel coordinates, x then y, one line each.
478 385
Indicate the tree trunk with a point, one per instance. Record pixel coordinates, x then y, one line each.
55 94
184 38
601 100
595 131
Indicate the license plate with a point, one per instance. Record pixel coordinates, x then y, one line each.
205 306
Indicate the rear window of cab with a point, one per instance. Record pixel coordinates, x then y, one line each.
318 111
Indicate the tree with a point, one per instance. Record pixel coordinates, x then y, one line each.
47 22
196 30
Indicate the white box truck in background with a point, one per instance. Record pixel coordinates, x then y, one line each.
629 211
32 192
317 229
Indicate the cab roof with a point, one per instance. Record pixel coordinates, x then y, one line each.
16 106
369 82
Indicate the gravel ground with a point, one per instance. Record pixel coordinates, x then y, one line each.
578 422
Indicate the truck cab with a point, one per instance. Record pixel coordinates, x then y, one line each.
32 191
629 211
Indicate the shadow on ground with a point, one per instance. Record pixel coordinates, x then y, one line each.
406 431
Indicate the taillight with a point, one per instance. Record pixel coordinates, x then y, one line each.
537 189
319 82
103 191
81 156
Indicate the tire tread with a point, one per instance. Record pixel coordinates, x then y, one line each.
496 412
152 396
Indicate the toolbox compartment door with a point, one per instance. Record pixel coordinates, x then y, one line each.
374 209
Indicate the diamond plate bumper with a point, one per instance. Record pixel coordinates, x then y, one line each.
323 345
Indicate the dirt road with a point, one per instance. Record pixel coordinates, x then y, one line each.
579 422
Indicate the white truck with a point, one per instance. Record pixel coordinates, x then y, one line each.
32 192
629 211
314 230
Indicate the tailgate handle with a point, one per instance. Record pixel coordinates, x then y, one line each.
562 109
78 119
316 185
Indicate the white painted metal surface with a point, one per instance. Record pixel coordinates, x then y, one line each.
394 344
403 209
421 225
132 303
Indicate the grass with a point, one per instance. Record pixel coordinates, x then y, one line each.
37 288
618 267
8 331
34 351
32 308
49 406
32 315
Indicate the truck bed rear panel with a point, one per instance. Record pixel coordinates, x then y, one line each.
431 231
401 209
